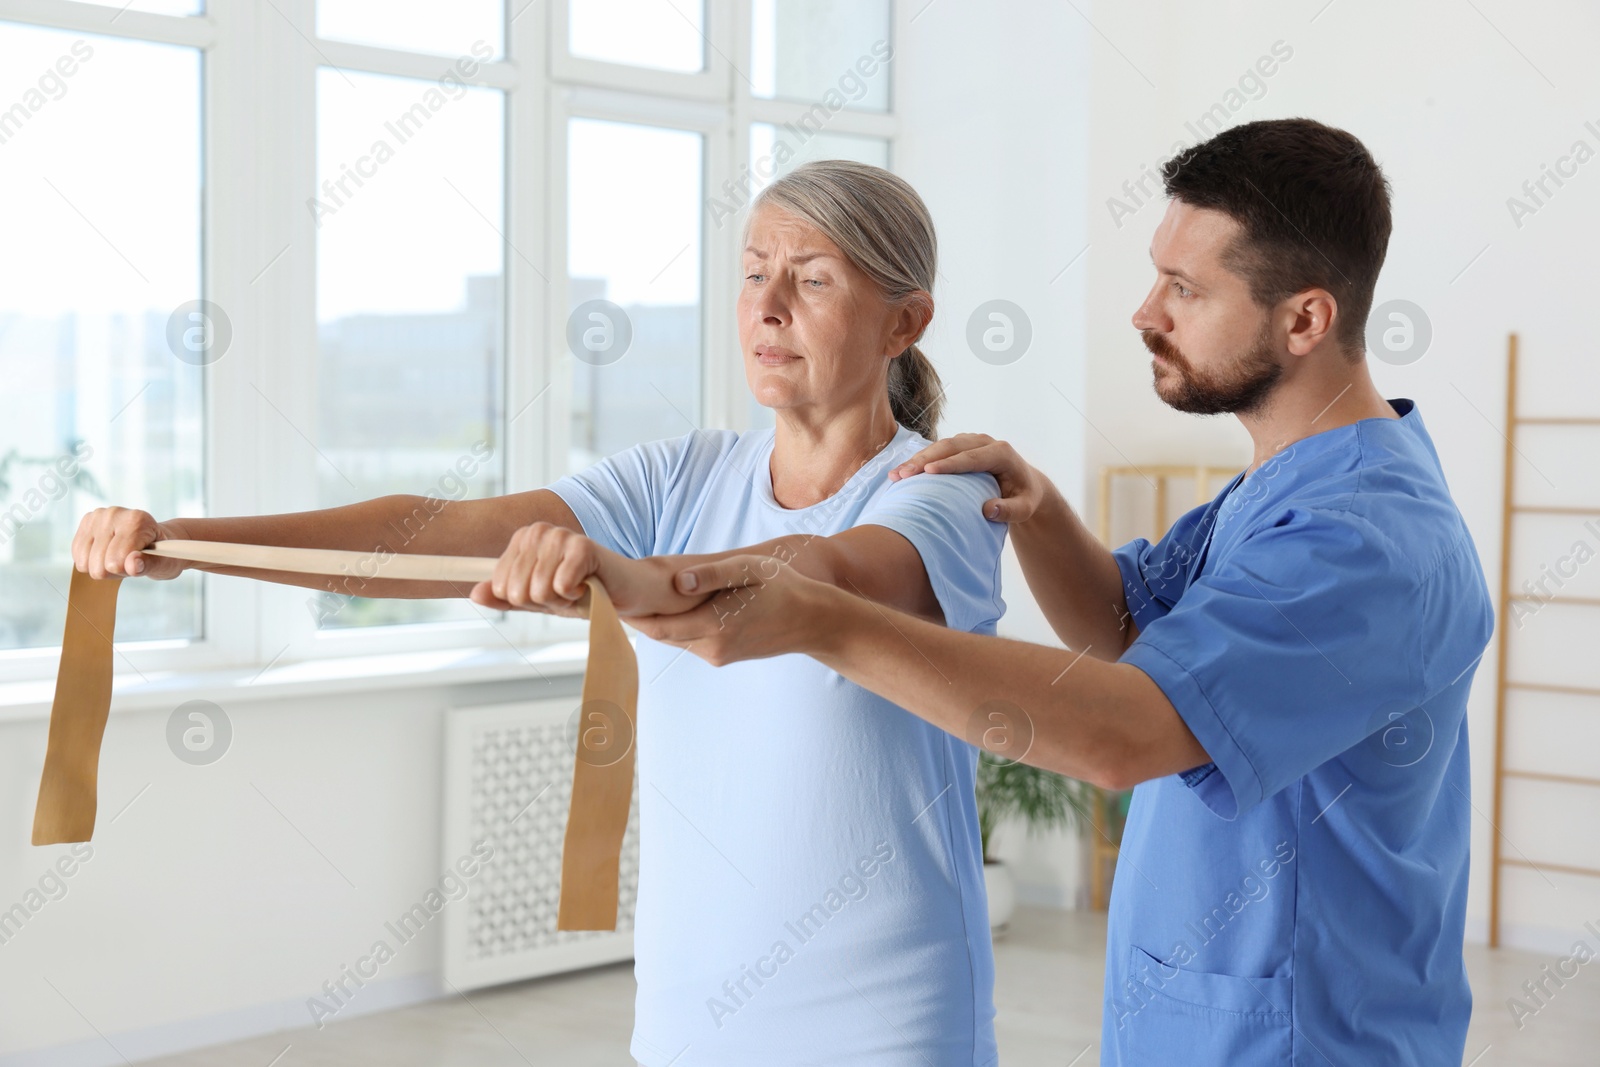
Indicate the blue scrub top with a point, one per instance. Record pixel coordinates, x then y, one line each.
1301 899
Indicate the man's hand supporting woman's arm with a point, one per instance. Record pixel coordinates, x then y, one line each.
545 566
1105 723
870 561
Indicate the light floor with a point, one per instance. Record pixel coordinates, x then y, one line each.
1049 971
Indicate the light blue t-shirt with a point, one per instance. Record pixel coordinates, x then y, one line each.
810 871
1301 900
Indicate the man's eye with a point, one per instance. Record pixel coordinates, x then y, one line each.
754 277
816 282
1181 290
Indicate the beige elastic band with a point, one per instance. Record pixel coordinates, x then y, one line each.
602 780
78 715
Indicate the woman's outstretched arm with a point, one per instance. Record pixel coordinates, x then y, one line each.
108 540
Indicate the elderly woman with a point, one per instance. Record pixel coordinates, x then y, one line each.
811 883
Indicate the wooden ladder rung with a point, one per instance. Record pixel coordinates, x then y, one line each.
1541 776
1539 687
1578 601
1564 868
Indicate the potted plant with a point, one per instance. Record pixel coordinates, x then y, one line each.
1041 799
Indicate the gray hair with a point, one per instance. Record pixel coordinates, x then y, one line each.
883 227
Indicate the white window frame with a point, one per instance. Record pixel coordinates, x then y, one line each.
259 259
710 83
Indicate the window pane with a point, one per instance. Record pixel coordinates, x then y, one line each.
633 266
472 28
96 408
828 52
661 34
409 304
776 150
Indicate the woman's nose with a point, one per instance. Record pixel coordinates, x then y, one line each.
772 307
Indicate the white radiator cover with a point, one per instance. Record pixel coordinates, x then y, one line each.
498 759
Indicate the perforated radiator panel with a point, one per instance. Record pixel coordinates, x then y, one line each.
508 783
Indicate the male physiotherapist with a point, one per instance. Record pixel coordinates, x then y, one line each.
1282 679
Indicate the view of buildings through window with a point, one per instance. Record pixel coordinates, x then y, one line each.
104 327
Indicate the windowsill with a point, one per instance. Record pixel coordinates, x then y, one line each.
25 701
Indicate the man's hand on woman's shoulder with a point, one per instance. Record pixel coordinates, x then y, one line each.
1022 488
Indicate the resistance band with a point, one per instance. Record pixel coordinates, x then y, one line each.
602 778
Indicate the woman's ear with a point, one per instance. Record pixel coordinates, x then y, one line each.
909 322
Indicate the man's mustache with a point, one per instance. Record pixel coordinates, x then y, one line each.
1160 346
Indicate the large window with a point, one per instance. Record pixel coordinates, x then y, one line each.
633 289
282 256
410 300
102 335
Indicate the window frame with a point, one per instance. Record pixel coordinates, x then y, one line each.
709 83
259 62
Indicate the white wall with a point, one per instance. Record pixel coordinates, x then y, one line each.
223 896
1460 104
993 104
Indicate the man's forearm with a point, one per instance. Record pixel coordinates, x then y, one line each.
1073 578
869 561
1105 723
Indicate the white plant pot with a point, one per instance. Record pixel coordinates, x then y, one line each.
1001 888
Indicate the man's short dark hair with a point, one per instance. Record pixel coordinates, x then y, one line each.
1313 205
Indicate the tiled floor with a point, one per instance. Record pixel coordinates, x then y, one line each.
1049 974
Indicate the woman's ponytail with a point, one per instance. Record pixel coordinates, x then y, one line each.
916 396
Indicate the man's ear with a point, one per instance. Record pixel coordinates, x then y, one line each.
1312 314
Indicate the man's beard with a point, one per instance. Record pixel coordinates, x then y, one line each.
1241 390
